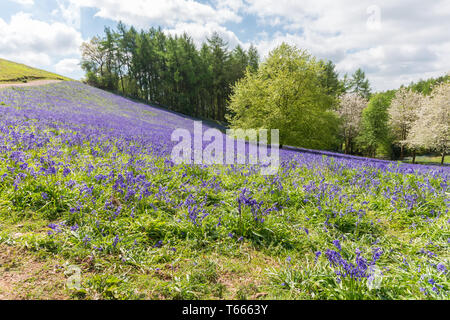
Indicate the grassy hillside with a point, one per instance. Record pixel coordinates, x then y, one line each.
92 207
16 72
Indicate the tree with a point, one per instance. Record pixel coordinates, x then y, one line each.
350 110
374 124
167 70
425 87
346 83
432 127
286 93
359 84
219 63
330 79
253 58
403 112
205 78
112 64
93 59
239 62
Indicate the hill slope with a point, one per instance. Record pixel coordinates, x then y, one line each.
86 180
16 72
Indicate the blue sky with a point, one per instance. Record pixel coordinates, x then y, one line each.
394 42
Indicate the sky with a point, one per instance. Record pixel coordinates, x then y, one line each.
394 42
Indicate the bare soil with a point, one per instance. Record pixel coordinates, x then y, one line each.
24 276
27 84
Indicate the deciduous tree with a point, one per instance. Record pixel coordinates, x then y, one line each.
286 93
432 127
350 110
403 112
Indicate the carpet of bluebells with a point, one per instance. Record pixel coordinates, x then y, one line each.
89 174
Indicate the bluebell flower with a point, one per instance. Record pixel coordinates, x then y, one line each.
318 253
441 267
115 241
337 244
86 240
158 244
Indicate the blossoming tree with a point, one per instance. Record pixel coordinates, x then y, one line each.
432 127
403 112
350 110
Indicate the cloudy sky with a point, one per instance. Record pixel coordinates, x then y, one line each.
394 42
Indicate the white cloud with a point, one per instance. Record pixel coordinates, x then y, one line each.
234 5
143 13
67 66
35 42
393 41
199 32
198 20
23 2
70 12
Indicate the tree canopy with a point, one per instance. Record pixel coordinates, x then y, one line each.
403 112
287 93
374 127
431 128
291 90
167 70
351 106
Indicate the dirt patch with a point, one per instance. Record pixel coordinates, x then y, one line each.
245 277
28 84
23 276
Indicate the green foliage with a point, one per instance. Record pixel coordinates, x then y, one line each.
167 70
109 287
426 86
286 93
375 133
330 79
359 84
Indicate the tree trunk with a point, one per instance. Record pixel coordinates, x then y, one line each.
401 152
347 143
414 157
443 157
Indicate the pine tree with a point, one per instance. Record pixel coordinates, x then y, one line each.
359 84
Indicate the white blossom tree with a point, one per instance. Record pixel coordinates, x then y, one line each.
403 112
93 57
350 110
432 127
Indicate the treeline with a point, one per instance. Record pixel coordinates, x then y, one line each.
425 87
167 70
393 124
299 95
406 121
291 92
171 71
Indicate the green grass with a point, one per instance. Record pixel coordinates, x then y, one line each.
58 220
428 159
16 72
207 263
